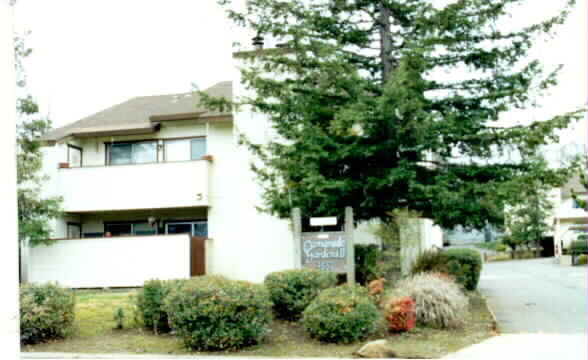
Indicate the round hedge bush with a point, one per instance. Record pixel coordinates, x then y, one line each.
149 303
46 312
343 314
465 265
291 291
214 313
440 303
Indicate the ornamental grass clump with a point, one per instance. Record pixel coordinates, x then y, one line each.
291 291
46 312
440 303
215 313
343 314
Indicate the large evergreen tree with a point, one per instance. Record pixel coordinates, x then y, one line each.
34 211
392 104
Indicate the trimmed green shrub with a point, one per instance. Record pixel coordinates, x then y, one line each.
501 247
439 303
579 247
291 291
465 265
366 263
429 261
149 301
343 314
581 259
46 312
214 313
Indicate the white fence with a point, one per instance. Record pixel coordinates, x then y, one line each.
110 262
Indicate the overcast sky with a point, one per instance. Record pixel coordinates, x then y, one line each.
91 54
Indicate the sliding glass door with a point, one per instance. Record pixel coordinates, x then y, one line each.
194 228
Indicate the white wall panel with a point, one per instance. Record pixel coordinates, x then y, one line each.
111 262
126 187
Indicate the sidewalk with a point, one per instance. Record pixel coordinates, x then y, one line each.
526 346
503 347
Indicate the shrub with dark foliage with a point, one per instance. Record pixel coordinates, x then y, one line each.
46 312
291 291
149 303
343 314
579 247
214 313
464 265
429 261
366 263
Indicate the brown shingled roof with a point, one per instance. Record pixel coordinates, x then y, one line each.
141 114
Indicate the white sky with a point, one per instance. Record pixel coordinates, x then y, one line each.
91 54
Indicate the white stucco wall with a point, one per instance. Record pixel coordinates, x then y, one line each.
245 244
111 262
417 236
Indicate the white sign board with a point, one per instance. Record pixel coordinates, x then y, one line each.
323 221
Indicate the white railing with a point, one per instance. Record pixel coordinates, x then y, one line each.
127 187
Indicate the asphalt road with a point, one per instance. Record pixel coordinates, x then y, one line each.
536 296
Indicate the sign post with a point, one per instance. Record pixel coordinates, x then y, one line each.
331 250
350 249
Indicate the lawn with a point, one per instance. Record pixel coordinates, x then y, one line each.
94 333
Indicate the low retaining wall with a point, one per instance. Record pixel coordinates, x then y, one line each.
110 262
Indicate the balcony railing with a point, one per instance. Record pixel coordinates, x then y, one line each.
128 187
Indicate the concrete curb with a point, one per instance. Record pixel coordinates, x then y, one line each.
491 311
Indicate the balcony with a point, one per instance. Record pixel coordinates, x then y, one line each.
133 187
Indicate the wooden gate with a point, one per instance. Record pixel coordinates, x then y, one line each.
197 256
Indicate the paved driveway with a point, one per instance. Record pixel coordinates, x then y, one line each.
536 296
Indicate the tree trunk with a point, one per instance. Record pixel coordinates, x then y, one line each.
385 43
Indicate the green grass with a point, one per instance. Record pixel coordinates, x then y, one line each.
94 333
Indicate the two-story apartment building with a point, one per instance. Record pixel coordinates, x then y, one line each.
148 187
159 187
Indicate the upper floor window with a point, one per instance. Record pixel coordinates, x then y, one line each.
131 153
74 156
185 149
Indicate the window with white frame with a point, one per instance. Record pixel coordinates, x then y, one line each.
185 149
74 156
